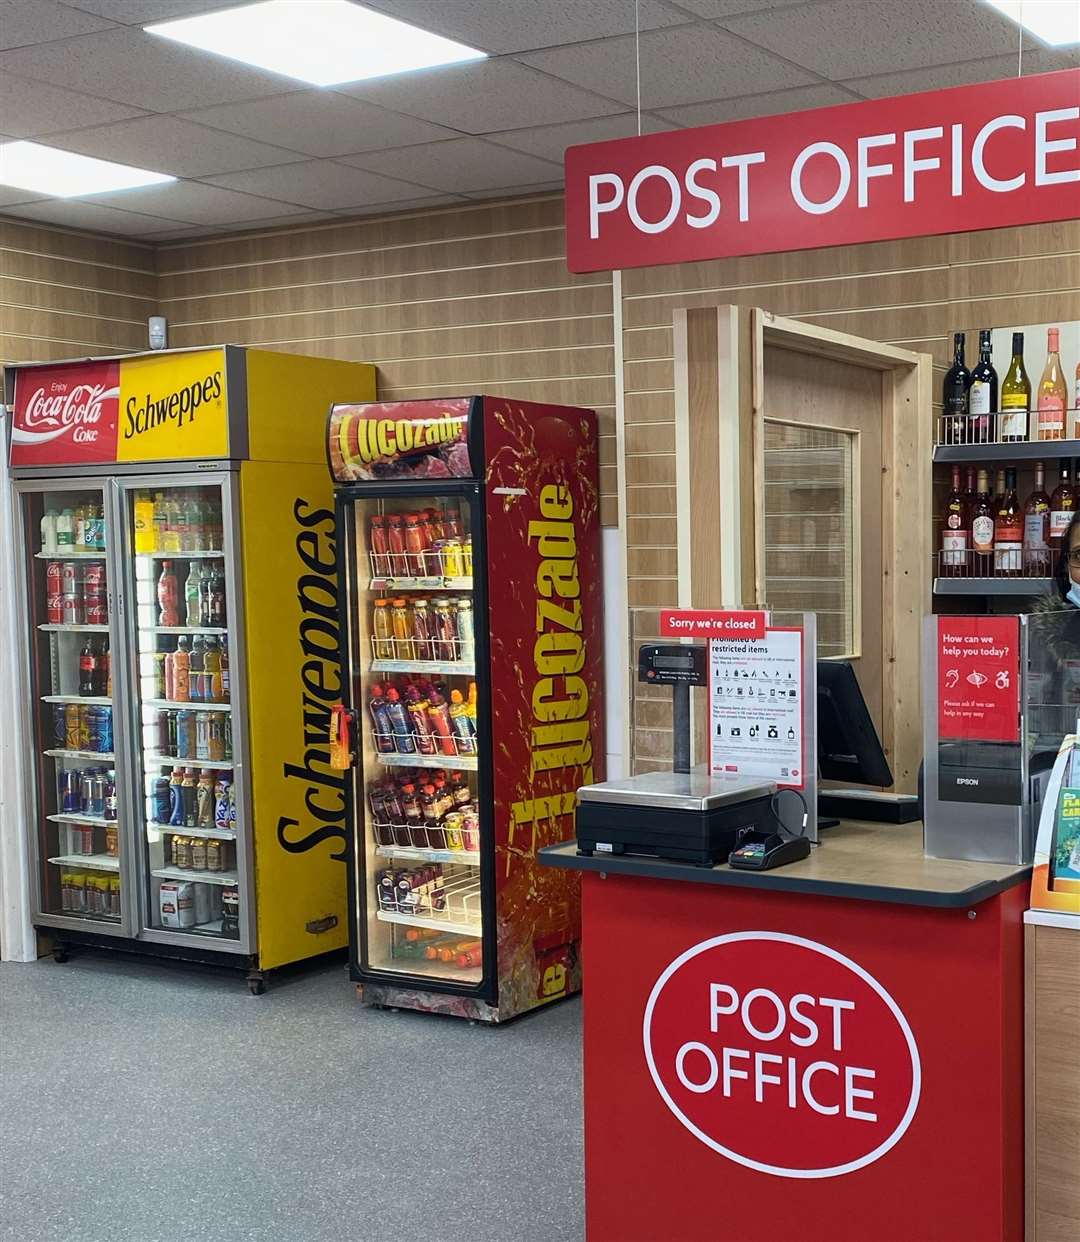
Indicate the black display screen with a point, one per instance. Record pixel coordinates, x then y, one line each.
674 662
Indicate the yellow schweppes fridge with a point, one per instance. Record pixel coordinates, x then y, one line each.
179 611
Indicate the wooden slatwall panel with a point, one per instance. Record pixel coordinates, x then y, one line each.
911 293
65 295
456 300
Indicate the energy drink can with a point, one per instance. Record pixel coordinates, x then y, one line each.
452 559
105 730
185 735
59 724
70 785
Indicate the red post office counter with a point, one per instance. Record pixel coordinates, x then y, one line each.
828 1052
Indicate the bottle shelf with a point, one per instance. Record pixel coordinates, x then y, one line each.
202 555
65 628
173 704
466 763
181 629
181 830
152 760
71 817
433 924
383 584
994 586
57 753
196 877
95 862
450 667
67 554
90 700
1007 450
467 858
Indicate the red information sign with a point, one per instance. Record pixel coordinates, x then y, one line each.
978 678
65 415
782 1054
972 157
700 623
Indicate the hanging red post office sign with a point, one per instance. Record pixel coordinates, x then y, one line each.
973 157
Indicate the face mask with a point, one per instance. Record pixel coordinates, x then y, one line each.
1074 595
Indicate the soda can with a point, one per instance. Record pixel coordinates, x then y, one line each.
185 735
94 578
59 724
97 795
93 728
70 581
70 784
96 610
202 735
84 728
86 790
71 609
54 578
470 830
54 607
72 729
452 559
105 730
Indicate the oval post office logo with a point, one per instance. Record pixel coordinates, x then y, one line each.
782 1054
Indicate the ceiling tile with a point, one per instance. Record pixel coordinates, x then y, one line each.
141 12
31 108
166 144
714 9
319 183
549 142
77 213
128 66
24 22
499 26
462 164
195 203
718 110
403 205
484 95
320 123
1046 60
684 65
849 38
9 196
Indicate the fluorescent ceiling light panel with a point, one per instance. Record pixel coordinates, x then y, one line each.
1055 22
63 174
324 42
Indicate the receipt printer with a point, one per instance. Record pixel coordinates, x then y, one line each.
688 816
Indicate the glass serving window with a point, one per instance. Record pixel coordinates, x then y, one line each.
811 536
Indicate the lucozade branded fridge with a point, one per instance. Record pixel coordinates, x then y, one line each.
469 535
178 566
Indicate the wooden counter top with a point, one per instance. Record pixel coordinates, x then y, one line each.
865 861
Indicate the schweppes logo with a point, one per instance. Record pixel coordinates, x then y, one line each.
142 413
173 406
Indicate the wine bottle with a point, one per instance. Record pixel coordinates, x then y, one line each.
999 490
954 534
982 528
1009 531
1062 507
1037 529
1053 396
954 392
1015 394
982 394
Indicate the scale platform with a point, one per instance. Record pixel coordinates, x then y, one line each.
689 816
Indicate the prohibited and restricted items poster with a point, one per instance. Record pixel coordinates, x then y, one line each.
756 707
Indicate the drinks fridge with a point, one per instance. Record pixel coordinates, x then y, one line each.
469 532
178 570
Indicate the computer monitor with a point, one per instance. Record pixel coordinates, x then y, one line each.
849 748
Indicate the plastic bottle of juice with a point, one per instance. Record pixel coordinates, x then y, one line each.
191 595
404 647
383 630
168 603
463 723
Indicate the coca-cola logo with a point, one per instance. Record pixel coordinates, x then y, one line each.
49 414
65 414
782 1054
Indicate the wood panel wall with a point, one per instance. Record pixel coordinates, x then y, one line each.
456 300
911 293
65 295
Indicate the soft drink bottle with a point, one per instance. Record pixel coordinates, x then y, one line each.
212 690
404 648
398 718
421 630
417 709
463 615
167 594
162 800
441 727
191 595
87 669
380 560
395 545
459 787
452 524
436 836
187 794
444 632
414 545
204 593
380 718
103 670
413 816
383 628
225 673
196 670
462 722
217 597
176 798
182 671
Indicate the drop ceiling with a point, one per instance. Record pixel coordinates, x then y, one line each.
252 150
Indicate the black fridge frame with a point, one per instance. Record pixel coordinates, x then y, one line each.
472 489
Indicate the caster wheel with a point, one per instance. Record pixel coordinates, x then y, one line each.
60 955
256 986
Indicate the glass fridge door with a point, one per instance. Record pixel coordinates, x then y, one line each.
419 875
189 817
77 813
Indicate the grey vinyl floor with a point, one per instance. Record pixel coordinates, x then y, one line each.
145 1103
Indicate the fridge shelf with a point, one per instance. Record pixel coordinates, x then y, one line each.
434 922
66 554
420 968
420 584
467 763
178 761
180 830
70 817
80 754
95 862
180 629
196 877
460 667
73 628
91 700
189 706
202 555
467 858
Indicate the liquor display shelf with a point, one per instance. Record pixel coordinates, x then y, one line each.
179 761
994 586
449 667
196 877
202 554
73 817
378 583
58 753
433 923
94 862
175 704
180 629
467 858
467 763
181 830
89 700
66 554
54 627
1007 450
